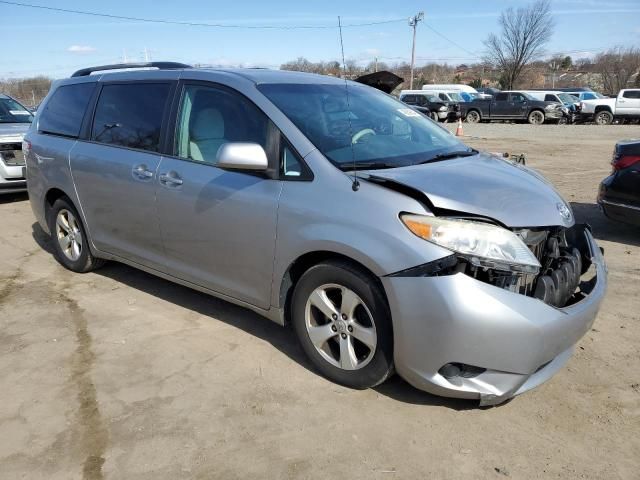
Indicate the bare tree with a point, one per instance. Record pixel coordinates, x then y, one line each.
29 91
523 34
618 67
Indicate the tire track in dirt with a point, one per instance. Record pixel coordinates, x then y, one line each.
92 431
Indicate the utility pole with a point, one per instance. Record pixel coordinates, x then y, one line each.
413 22
375 63
146 55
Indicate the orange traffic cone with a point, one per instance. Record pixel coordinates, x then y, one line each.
459 131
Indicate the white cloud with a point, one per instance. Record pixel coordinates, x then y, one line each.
81 49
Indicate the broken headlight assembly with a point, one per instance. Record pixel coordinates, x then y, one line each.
481 244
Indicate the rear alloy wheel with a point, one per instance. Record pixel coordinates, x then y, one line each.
343 324
473 117
536 117
70 243
603 118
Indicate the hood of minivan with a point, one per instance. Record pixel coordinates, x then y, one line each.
13 132
486 186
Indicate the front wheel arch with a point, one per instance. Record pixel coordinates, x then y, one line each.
303 263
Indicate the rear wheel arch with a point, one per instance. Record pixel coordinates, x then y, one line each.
303 263
50 198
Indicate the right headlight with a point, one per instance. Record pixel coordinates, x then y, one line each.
443 108
482 244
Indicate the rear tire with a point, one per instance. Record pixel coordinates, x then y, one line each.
603 117
69 238
342 321
434 117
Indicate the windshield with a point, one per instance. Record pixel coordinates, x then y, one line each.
368 129
566 98
12 112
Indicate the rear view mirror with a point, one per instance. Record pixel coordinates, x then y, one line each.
242 156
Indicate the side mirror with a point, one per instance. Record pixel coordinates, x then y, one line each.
242 156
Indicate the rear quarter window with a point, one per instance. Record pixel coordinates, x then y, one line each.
63 113
631 94
501 97
130 115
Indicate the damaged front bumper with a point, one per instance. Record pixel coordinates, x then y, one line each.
456 336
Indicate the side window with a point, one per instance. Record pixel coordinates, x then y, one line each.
130 115
588 96
291 166
517 97
631 94
63 112
550 98
501 97
210 117
443 96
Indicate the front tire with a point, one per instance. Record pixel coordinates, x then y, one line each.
603 117
536 117
473 116
69 238
342 321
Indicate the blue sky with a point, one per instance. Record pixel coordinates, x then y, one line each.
46 42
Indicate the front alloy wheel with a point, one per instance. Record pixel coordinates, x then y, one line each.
603 118
536 117
472 117
342 320
340 327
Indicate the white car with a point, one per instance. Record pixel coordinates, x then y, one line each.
15 120
603 111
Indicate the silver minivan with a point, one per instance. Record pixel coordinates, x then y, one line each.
384 241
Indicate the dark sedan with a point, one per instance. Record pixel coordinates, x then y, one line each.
619 195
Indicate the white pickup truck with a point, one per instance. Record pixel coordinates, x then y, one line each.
603 111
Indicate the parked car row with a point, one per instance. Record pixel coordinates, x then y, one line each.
15 120
536 106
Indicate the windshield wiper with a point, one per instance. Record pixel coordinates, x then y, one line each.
349 167
449 155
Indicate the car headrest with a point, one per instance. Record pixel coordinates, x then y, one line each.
207 125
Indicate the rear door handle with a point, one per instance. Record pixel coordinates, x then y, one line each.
141 172
170 179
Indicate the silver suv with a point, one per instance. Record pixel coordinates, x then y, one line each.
15 120
385 242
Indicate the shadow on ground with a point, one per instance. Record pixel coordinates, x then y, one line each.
13 197
281 338
603 228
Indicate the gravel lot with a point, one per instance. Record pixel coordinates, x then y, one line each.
118 374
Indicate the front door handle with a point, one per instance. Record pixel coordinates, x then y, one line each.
141 172
170 179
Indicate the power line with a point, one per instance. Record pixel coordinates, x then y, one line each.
448 39
196 24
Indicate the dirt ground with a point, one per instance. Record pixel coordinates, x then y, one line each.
120 375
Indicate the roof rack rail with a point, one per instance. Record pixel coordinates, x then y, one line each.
120 66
